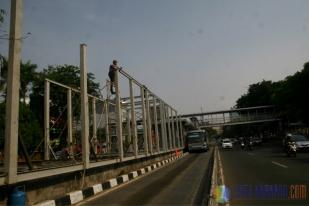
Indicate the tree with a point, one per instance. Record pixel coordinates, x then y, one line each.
27 76
258 94
68 75
3 33
29 126
290 96
3 69
2 14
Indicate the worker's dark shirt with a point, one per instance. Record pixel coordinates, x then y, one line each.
111 73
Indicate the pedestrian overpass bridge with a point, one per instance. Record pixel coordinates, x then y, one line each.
249 115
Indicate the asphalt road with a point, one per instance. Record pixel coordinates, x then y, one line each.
266 176
183 182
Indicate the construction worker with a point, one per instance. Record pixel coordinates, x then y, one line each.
112 73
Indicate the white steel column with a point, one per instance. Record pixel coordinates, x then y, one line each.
133 119
84 104
181 134
46 120
144 121
170 145
173 130
107 126
94 126
12 98
129 128
118 116
155 117
69 121
149 129
163 134
177 130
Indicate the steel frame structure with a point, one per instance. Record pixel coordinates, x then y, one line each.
156 115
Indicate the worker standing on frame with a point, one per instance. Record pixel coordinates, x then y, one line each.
112 69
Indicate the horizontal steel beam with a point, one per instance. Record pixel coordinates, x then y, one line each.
239 123
227 111
73 89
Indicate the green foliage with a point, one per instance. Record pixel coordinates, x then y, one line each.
289 95
2 125
68 75
27 76
211 132
2 14
29 127
258 94
31 116
4 66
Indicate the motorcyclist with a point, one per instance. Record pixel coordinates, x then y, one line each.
290 147
288 141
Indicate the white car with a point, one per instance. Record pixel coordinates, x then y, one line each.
226 143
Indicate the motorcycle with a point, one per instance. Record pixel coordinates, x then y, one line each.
242 145
250 145
291 149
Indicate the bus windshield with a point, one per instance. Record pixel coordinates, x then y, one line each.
195 137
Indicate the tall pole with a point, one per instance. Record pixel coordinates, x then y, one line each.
129 139
46 120
163 134
69 121
107 125
12 98
149 130
173 130
181 134
106 108
155 117
94 126
84 104
170 145
144 121
177 130
118 116
133 119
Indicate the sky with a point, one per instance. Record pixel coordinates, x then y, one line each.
196 55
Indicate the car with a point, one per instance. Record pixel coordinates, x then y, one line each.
226 143
257 140
301 141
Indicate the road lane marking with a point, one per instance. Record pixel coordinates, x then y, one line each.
278 164
250 153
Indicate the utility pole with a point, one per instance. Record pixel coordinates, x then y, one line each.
12 98
84 104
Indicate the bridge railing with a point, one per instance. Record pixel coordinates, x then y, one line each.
234 118
83 131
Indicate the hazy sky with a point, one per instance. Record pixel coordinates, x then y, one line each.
192 53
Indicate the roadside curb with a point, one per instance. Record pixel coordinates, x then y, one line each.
217 178
80 195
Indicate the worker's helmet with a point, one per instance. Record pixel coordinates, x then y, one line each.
114 61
